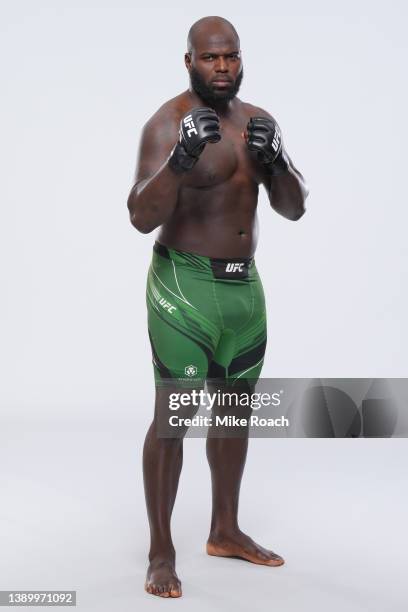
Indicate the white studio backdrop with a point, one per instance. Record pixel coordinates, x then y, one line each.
79 79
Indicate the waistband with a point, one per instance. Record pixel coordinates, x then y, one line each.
225 268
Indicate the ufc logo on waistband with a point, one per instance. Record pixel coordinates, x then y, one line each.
189 123
234 267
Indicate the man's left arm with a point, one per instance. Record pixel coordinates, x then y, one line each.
287 190
285 185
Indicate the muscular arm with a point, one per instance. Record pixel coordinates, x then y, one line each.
154 195
287 192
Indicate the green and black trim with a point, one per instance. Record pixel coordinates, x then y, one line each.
206 317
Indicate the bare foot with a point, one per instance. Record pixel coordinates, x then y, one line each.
162 579
240 545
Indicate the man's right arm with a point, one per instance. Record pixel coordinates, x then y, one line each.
161 168
154 195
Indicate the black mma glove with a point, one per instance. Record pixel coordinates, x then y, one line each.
264 137
199 126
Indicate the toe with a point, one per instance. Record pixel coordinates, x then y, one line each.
273 556
276 560
175 590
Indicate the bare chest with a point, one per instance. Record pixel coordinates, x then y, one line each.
221 162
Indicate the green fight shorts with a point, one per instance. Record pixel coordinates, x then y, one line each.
206 318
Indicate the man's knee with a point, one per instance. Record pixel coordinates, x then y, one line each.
174 406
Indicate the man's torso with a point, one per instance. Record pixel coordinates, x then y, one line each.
216 210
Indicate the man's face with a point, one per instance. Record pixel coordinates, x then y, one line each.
215 68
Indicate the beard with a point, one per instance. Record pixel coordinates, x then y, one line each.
210 95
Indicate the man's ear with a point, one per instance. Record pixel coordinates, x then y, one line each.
187 60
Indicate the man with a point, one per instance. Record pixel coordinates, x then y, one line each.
202 156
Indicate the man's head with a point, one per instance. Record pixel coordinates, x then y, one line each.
213 59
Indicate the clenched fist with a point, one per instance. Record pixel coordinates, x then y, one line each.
199 126
263 136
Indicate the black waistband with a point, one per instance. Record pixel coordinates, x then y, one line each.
221 267
234 267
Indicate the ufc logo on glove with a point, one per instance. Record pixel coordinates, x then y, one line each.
276 140
189 123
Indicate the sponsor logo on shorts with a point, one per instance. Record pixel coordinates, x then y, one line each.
189 123
166 305
190 370
234 267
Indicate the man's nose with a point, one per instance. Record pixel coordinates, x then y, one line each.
221 65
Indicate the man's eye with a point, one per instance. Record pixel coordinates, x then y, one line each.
209 57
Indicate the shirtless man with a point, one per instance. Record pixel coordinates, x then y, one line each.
202 157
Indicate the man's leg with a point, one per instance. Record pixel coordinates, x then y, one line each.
226 457
162 463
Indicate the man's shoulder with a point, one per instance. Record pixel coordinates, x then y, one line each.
169 113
